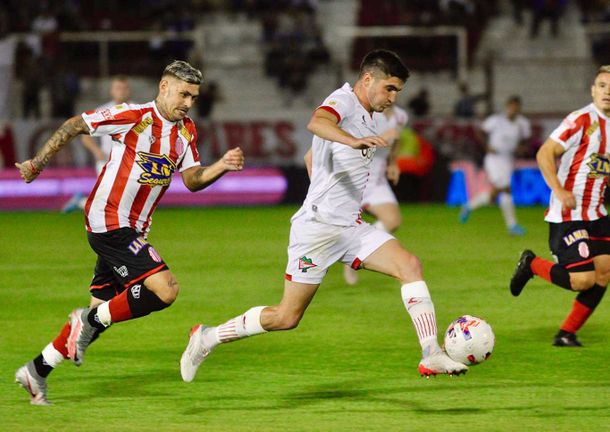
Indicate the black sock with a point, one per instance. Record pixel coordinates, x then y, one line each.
42 368
561 277
143 301
94 320
592 296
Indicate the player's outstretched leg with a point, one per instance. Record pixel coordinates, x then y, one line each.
480 200
257 320
350 275
36 385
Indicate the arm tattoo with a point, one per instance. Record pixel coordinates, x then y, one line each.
62 136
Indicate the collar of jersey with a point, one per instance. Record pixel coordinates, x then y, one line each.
599 113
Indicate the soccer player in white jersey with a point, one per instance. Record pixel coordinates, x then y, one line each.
505 132
579 228
379 199
131 280
328 227
120 92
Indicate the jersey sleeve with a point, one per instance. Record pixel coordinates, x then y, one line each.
570 131
114 120
341 105
190 157
489 123
402 118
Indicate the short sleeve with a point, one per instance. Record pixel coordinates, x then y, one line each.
570 131
117 119
340 104
489 124
191 154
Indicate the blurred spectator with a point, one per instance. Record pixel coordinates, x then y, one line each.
8 44
518 6
546 9
420 104
45 26
32 79
65 87
208 96
465 107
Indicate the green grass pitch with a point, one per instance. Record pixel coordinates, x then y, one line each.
350 366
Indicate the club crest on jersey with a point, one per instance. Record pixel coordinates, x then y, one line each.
179 145
368 153
599 164
306 263
158 169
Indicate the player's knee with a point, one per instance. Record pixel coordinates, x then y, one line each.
410 268
287 321
393 223
168 290
583 282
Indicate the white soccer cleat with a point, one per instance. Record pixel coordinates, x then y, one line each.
194 354
34 384
440 363
350 275
81 335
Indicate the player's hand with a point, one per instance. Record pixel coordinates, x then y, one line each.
567 198
28 170
233 160
393 173
368 142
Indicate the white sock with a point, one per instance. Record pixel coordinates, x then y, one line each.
416 297
380 225
508 209
51 356
479 200
103 313
248 324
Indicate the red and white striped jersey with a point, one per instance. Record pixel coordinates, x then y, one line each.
584 167
147 149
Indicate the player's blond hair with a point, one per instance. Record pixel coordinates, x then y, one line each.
183 71
601 70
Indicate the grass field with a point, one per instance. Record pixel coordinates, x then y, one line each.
350 366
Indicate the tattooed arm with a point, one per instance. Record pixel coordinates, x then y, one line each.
31 168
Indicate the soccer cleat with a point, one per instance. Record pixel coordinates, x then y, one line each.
350 275
566 339
517 230
440 363
81 335
73 203
194 354
523 272
27 377
464 214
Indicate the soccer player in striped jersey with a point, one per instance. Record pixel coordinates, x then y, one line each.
579 228
150 143
328 227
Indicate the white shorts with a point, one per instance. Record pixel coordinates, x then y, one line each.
499 170
315 246
378 193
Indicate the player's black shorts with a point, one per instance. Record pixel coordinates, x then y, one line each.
124 258
575 243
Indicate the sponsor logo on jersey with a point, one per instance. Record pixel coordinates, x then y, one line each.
158 169
141 127
120 106
136 246
591 129
599 164
331 103
185 133
122 271
107 114
305 264
574 236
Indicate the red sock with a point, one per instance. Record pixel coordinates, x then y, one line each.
542 268
577 317
62 339
119 308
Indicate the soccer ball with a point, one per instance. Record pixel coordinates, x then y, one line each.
469 340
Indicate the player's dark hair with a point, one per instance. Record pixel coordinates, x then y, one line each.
513 99
386 62
183 71
120 77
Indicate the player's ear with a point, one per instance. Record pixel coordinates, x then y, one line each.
163 86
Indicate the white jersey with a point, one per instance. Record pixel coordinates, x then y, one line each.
146 151
339 172
396 120
505 134
584 167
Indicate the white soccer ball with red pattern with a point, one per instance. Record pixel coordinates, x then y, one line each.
469 340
